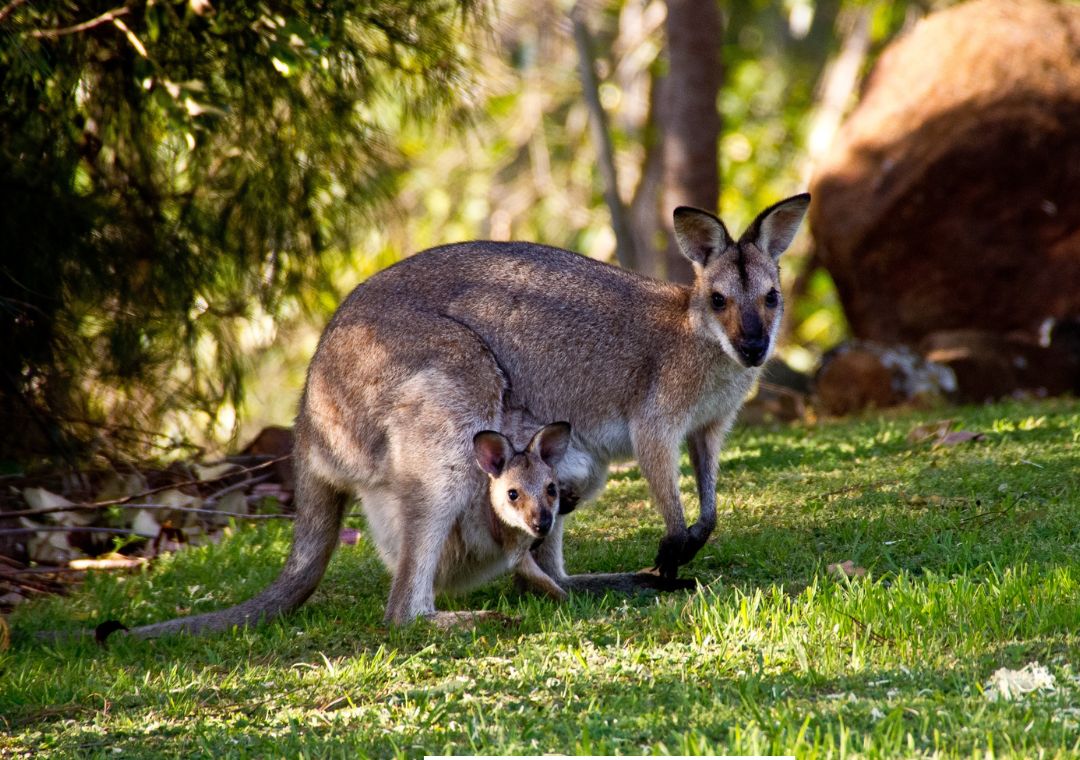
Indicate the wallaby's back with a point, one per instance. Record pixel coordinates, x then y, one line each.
581 340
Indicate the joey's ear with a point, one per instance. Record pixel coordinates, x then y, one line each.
775 227
493 451
550 443
700 235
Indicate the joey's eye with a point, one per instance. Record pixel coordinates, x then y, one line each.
718 301
552 491
772 299
512 494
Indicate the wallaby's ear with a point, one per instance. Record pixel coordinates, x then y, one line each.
493 451
550 443
700 235
775 227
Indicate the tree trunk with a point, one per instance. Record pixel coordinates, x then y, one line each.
605 153
645 213
691 118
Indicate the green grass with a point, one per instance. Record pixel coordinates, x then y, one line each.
973 559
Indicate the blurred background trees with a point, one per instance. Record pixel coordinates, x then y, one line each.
188 189
171 175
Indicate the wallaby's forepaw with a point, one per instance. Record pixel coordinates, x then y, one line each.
546 587
568 501
447 620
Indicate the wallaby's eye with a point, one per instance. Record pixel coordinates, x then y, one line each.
772 299
552 491
718 301
512 494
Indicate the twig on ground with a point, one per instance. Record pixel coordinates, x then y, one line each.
95 505
207 511
877 638
67 529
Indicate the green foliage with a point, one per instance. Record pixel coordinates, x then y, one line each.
170 172
971 553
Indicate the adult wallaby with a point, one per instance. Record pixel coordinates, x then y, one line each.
429 352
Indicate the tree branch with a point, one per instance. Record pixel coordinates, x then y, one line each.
105 18
8 9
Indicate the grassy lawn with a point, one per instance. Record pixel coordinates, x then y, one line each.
972 559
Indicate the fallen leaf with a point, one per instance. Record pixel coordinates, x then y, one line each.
49 547
5 634
929 430
118 486
107 562
1008 685
845 569
145 523
39 498
958 436
213 471
234 502
939 432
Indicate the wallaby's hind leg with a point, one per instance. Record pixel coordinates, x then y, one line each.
427 523
412 591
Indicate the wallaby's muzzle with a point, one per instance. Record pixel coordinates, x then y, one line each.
542 522
752 352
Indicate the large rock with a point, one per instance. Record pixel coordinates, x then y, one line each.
951 198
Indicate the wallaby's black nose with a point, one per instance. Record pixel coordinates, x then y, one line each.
543 523
753 351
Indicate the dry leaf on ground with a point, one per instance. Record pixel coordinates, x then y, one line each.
940 434
108 562
929 430
958 436
845 569
1006 684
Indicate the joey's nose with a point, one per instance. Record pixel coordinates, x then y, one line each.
542 524
753 351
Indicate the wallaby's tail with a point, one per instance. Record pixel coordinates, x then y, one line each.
625 583
319 512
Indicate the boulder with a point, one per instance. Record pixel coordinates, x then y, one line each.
988 365
951 197
859 375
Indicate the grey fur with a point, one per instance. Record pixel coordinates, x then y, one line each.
469 337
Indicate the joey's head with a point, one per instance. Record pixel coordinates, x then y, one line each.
522 486
736 297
